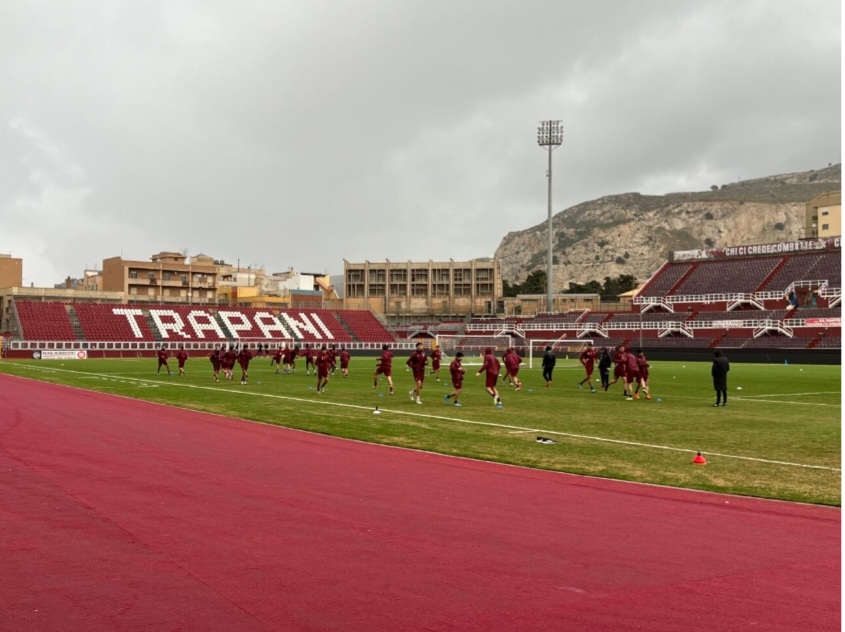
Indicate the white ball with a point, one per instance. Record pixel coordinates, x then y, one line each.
739 388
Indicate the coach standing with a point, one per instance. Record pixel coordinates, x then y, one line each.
720 369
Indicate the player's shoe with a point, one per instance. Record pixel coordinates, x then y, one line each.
411 395
419 401
636 395
457 404
647 396
446 398
592 390
629 399
580 387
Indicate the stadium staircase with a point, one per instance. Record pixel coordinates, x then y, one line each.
74 322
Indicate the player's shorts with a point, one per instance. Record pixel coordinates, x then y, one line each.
491 379
457 384
385 371
619 371
322 371
419 376
589 369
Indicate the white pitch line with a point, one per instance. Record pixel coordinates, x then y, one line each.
518 429
782 401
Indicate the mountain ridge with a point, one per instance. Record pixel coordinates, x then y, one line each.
631 233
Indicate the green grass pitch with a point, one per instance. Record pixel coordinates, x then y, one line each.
779 437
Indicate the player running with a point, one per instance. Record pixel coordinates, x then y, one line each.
384 366
456 371
587 359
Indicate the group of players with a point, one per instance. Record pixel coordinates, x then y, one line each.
632 368
322 361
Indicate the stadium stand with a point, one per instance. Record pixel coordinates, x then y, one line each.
98 322
364 326
45 321
723 276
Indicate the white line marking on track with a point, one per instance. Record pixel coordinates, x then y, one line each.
516 429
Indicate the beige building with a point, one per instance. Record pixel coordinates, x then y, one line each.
11 271
166 277
823 216
429 288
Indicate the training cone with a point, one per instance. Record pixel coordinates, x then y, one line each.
699 460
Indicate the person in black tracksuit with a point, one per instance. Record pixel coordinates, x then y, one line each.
548 366
605 363
720 369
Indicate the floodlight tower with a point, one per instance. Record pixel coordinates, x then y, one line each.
550 136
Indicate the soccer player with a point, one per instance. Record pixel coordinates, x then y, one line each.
344 361
436 355
323 362
491 367
512 361
417 362
277 359
587 358
332 354
549 361
604 367
643 364
230 356
243 360
288 355
163 354
632 375
456 371
215 363
181 358
384 367
620 359
309 360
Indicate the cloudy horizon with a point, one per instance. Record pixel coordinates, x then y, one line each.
284 134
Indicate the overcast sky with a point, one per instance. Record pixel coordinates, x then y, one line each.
283 133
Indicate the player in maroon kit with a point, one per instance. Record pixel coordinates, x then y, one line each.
309 360
332 353
384 366
323 362
344 361
215 363
512 361
230 356
491 366
435 355
642 363
456 371
588 358
277 358
163 354
632 374
620 361
181 358
243 360
417 363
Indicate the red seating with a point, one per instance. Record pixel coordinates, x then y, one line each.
111 322
364 326
44 321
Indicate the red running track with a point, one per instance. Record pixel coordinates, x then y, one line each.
120 515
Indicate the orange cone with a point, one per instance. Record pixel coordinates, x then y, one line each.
699 460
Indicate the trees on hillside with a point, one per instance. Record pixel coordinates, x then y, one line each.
535 283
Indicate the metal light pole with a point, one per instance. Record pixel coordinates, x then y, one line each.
550 135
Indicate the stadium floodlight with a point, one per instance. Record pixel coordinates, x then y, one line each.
550 136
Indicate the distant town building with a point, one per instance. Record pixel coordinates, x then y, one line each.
11 271
823 216
424 288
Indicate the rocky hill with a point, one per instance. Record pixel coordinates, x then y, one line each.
634 234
